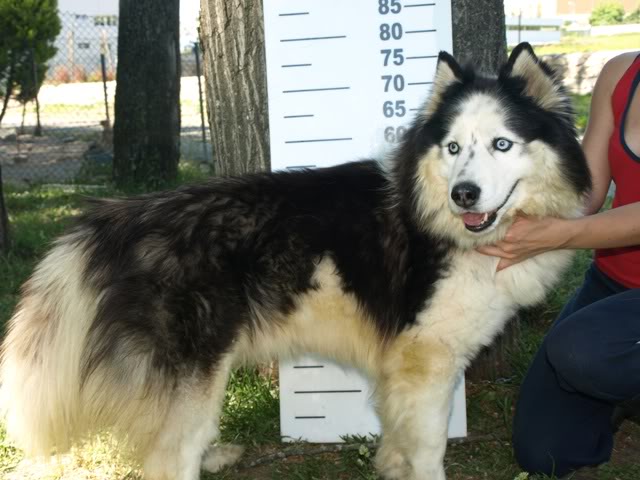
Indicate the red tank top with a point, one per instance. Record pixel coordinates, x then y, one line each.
623 264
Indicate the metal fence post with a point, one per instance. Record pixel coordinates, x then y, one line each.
519 25
104 86
38 130
196 51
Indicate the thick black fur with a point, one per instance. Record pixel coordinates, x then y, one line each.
258 237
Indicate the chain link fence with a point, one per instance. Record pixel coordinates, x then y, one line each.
65 135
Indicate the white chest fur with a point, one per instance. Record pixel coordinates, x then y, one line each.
473 302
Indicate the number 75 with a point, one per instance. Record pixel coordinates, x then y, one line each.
395 54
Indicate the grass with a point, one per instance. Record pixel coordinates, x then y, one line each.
581 104
573 43
36 216
251 411
77 110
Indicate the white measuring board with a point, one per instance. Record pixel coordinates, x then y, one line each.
344 78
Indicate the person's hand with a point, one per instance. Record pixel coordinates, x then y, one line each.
527 237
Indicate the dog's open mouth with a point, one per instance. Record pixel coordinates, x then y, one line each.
477 222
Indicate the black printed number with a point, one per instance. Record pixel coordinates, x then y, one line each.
394 109
394 135
396 55
387 32
389 6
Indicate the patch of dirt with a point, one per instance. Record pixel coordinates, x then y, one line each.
626 450
30 159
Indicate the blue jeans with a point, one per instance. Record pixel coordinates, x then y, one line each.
588 362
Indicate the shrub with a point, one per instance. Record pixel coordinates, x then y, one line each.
633 17
96 75
78 74
61 74
609 13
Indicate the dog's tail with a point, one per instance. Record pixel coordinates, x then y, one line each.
47 402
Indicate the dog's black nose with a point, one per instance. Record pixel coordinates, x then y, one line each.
465 194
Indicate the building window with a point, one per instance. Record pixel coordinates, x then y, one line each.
105 20
84 45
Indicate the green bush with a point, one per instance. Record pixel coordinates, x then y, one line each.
633 17
609 13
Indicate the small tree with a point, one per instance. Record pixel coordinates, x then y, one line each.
28 29
609 13
28 80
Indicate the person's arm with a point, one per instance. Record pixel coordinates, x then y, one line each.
595 142
527 237
620 227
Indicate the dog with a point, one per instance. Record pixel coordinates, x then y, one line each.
135 318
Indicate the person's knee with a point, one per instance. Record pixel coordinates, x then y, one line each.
571 357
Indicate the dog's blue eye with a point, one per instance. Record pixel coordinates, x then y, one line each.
502 144
453 147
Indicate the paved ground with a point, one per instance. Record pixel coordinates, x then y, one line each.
72 117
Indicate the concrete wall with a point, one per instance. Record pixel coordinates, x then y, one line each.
581 69
600 30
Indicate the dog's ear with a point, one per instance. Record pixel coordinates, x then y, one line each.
448 72
540 82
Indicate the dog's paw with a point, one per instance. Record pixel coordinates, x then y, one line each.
391 464
220 456
427 474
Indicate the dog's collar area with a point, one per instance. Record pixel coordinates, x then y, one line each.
477 222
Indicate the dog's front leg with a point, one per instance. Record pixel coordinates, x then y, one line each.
416 388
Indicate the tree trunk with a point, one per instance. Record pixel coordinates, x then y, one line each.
4 221
232 40
38 130
24 114
493 362
146 133
8 87
479 33
480 37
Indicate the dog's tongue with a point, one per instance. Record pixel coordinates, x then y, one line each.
473 219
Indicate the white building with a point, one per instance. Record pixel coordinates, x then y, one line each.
90 27
531 9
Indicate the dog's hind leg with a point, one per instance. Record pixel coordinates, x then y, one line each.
191 425
416 390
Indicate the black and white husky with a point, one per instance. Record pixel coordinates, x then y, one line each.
134 320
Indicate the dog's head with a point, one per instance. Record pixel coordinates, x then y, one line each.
484 148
